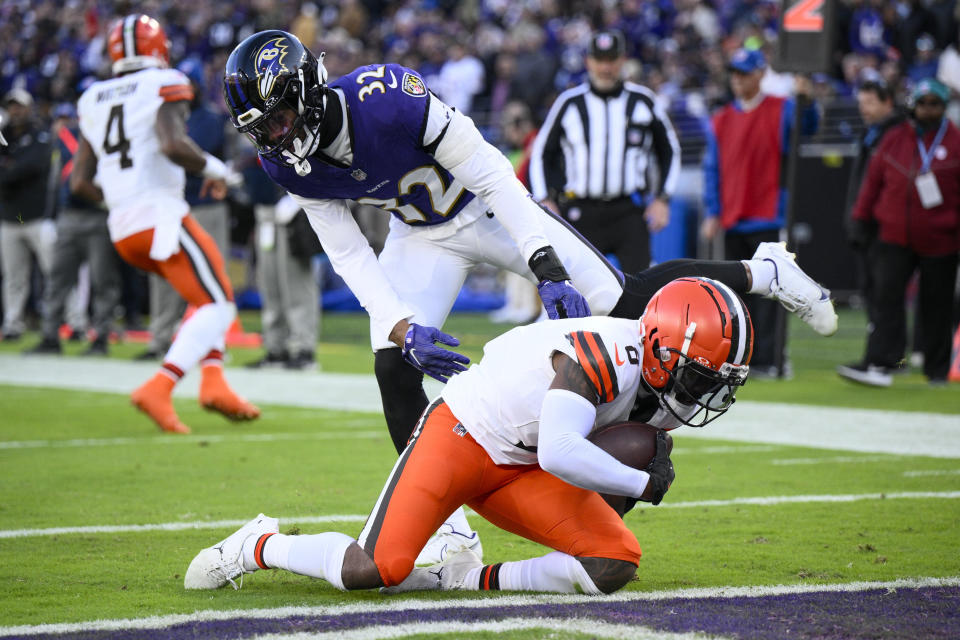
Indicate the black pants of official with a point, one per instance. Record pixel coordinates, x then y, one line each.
763 312
892 267
614 227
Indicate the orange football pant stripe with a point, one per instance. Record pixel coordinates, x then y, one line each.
180 269
444 467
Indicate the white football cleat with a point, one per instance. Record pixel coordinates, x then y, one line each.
446 576
446 541
796 291
454 569
217 565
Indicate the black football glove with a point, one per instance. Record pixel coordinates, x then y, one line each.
660 470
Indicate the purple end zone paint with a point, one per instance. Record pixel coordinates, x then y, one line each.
930 613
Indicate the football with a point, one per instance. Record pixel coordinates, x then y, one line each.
632 443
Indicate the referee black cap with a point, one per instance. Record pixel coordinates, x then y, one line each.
607 45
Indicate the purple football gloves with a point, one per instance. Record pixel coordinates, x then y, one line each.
421 352
562 300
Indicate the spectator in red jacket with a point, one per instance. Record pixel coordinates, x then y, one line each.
911 200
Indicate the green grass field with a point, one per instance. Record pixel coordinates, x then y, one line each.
331 463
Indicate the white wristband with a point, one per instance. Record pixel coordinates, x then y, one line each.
215 168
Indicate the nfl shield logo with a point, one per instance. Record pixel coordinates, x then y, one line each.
359 175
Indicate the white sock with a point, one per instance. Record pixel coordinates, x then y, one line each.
458 520
318 556
763 273
555 572
201 332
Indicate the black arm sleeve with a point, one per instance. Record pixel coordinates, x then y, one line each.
554 165
663 151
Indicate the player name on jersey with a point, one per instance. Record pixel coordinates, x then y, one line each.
117 92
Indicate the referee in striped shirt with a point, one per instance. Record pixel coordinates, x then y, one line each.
607 158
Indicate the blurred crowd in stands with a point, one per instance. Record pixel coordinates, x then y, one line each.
481 54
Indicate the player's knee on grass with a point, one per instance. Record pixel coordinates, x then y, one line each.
402 394
359 570
394 569
608 575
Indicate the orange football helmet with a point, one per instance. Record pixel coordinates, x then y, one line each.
137 42
697 342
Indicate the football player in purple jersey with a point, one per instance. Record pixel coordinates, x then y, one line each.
378 136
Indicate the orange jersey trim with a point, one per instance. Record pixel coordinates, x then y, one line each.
176 92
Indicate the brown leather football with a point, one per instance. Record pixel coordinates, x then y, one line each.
632 443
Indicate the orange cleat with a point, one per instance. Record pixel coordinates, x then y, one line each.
153 398
216 395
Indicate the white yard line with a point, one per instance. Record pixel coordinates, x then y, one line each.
389 604
170 526
830 460
942 472
864 430
593 628
191 439
760 501
724 449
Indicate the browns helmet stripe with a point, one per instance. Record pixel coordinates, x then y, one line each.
741 329
130 35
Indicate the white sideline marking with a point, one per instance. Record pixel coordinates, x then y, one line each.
762 501
389 604
864 430
169 526
772 500
593 628
944 472
190 439
727 449
834 459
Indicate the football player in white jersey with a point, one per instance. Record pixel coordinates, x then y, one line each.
508 437
378 136
132 154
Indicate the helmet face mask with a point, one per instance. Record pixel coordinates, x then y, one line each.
696 394
697 343
273 87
